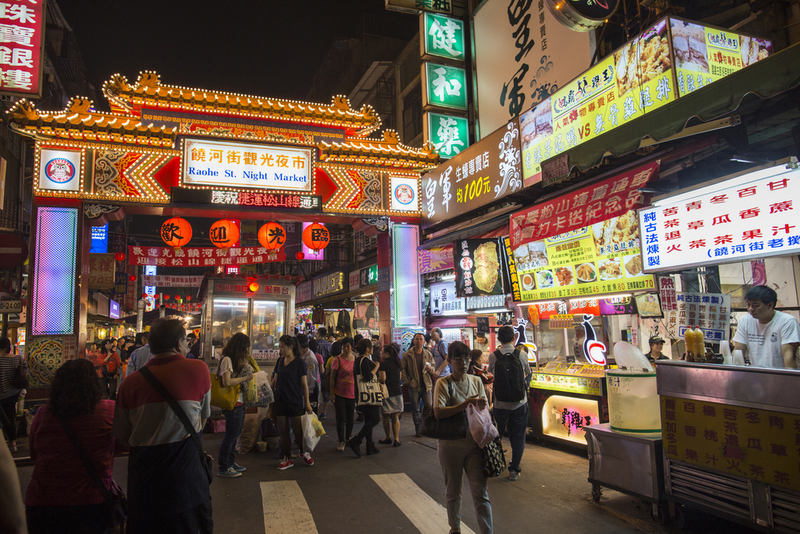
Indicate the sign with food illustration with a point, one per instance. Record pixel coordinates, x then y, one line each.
622 87
704 54
477 266
592 204
593 260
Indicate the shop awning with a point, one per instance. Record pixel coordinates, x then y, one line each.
763 80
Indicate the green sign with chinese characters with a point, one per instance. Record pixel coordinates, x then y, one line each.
444 86
443 36
449 134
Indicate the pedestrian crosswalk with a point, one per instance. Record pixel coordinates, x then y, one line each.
286 510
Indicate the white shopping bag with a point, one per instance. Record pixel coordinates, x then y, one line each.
480 425
310 438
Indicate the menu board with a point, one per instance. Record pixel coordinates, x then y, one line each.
625 85
567 383
477 266
704 54
597 259
708 311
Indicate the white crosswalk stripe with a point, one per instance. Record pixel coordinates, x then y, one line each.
425 513
285 509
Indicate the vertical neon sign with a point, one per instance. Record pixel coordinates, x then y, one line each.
53 299
407 304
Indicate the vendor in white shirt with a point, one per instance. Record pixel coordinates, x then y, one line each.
767 337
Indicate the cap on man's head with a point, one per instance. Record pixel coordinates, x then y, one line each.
656 339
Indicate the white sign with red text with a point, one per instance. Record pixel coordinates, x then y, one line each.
746 217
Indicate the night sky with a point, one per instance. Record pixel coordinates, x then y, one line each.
263 48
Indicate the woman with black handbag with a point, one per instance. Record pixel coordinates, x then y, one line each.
458 453
12 373
63 497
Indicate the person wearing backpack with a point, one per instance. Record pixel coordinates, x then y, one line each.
512 377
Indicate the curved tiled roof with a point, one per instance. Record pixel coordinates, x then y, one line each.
388 149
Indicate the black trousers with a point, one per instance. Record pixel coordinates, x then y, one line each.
372 416
9 406
344 417
198 520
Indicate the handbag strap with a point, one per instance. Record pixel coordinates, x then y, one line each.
158 386
91 470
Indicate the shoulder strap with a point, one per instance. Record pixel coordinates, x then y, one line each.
158 386
85 459
449 388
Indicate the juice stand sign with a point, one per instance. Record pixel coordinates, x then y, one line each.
593 260
632 81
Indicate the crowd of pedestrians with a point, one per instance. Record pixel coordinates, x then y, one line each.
163 400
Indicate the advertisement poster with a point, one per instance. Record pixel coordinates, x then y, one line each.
622 87
708 311
444 300
435 259
704 55
478 267
597 259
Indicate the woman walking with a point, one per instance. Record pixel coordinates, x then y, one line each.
62 497
366 369
343 393
291 399
234 370
389 374
108 364
9 394
452 396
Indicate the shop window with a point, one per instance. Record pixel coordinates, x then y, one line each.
269 324
229 317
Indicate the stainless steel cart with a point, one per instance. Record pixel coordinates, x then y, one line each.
628 463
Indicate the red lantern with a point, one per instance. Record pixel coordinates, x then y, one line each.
253 287
272 236
224 233
189 298
119 256
132 278
299 256
316 237
166 297
176 232
144 295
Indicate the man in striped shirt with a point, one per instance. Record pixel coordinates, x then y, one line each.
168 489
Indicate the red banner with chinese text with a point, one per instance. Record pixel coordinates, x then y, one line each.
22 23
595 203
202 257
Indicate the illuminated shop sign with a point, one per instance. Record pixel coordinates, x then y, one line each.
751 216
566 417
22 26
407 301
414 7
99 239
329 284
269 200
60 170
405 193
448 134
444 86
442 36
444 300
230 164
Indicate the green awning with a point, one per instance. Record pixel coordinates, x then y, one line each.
765 79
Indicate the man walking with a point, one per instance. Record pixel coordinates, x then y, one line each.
417 368
323 345
312 369
140 356
512 376
439 352
168 489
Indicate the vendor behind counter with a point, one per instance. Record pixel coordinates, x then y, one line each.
768 338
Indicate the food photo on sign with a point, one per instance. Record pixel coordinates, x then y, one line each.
477 266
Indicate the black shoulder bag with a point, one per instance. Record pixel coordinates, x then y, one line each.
453 427
206 460
114 497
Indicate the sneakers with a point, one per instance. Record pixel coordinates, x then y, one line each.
307 458
340 447
12 446
229 473
286 463
355 446
322 417
513 476
238 467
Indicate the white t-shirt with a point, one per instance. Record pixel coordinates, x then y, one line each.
312 371
468 386
227 365
764 341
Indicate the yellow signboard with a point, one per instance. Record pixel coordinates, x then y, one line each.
750 443
622 87
593 260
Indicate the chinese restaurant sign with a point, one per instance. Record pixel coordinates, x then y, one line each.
22 24
444 300
595 203
708 311
622 87
511 269
593 260
747 217
271 200
435 259
443 36
473 178
201 257
230 164
666 286
244 289
705 54
744 442
415 6
444 86
478 267
329 284
101 271
522 56
163 280
449 134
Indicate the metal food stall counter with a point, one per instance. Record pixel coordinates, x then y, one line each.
732 442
